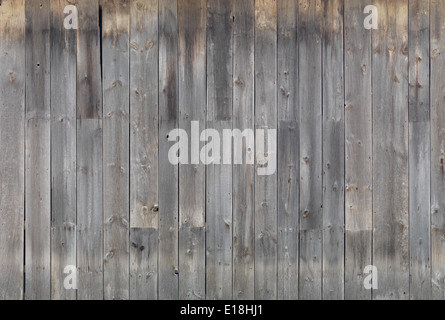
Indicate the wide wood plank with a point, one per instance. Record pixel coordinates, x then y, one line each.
358 150
311 195
144 203
390 150
90 246
192 102
288 152
12 157
143 263
218 173
63 150
243 174
333 152
38 152
419 150
437 50
116 155
168 281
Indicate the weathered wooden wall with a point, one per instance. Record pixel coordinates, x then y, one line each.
85 180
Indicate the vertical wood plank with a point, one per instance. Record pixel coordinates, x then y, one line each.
243 175
38 153
390 150
168 173
144 114
288 150
358 150
12 140
63 150
144 204
116 155
143 263
437 45
310 101
419 150
89 154
265 119
333 152
218 173
192 101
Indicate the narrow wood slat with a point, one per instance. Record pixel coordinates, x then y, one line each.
333 152
38 152
192 102
219 174
243 175
266 252
168 173
311 195
419 150
437 48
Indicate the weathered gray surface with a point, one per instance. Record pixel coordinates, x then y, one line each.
38 152
311 180
192 106
288 136
63 151
333 151
219 175
358 150
419 150
437 57
390 150
116 140
266 252
85 119
90 245
12 156
168 282
243 175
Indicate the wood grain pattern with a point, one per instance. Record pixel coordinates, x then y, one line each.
390 150
116 155
12 157
38 152
63 151
86 118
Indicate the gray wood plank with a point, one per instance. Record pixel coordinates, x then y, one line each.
63 150
144 114
219 174
358 150
192 101
243 175
144 203
116 155
419 150
89 209
311 195
143 263
38 153
266 252
288 152
437 64
333 151
89 154
390 150
168 281
12 140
